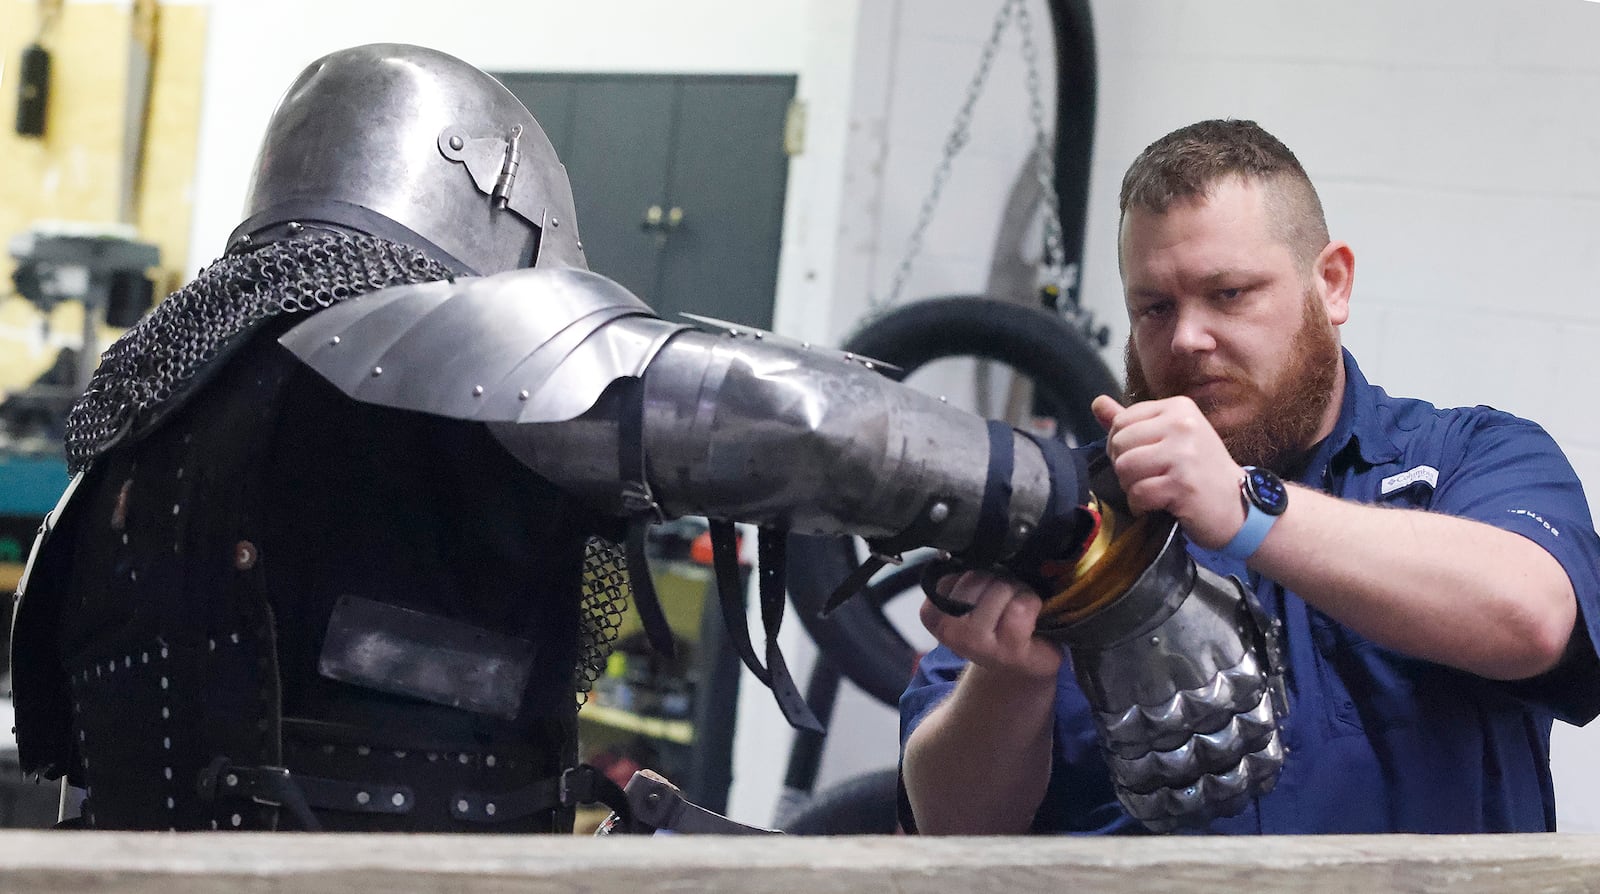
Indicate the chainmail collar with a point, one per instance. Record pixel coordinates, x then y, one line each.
153 367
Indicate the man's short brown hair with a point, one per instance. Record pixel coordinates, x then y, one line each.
1186 163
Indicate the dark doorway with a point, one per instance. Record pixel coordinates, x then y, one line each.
679 182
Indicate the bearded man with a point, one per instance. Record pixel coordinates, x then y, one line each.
1433 570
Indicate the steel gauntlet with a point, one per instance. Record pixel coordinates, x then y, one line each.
1183 674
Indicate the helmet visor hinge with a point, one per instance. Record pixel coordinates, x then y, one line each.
492 162
508 169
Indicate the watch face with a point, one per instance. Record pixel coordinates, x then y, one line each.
1266 491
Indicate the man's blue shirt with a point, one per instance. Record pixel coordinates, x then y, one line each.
1378 741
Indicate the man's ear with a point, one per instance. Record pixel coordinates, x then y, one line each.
1334 274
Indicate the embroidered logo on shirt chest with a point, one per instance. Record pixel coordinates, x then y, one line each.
1405 479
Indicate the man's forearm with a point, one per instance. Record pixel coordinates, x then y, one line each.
1446 589
979 764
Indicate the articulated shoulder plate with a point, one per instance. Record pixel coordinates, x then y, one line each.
532 345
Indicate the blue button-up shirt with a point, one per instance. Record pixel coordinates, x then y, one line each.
1378 741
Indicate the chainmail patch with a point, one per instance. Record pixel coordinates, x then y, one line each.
152 362
605 598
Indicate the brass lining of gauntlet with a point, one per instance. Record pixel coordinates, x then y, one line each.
1121 549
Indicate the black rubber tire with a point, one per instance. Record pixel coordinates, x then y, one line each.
1033 341
1067 373
860 805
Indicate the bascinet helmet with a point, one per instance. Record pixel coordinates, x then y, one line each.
416 146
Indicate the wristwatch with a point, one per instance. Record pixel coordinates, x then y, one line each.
1265 498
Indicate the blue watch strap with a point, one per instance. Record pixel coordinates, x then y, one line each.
1256 525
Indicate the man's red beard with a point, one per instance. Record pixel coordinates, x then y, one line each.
1287 414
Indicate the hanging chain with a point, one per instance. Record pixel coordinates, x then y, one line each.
961 132
1056 273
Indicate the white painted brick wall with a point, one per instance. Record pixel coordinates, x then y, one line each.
1456 144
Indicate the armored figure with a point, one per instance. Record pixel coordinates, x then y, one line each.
263 605
322 567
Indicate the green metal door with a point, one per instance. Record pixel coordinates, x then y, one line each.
679 182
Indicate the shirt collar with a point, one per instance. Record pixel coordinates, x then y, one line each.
1359 430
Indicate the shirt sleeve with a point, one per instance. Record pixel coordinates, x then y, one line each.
1512 475
1079 799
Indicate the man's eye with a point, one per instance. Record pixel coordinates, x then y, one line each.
1229 294
1154 311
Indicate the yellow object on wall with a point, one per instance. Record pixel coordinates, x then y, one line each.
75 172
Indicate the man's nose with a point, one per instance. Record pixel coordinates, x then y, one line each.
1192 334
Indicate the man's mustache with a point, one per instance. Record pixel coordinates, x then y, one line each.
1184 380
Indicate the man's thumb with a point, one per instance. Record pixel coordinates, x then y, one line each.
1106 409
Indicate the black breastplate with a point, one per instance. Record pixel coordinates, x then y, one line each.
208 558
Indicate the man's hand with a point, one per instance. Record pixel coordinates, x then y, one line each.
1169 458
979 762
997 634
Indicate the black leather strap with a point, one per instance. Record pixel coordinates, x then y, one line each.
645 599
994 513
853 584
643 512
918 533
931 573
771 556
1065 524
582 784
771 564
730 594
221 781
300 794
